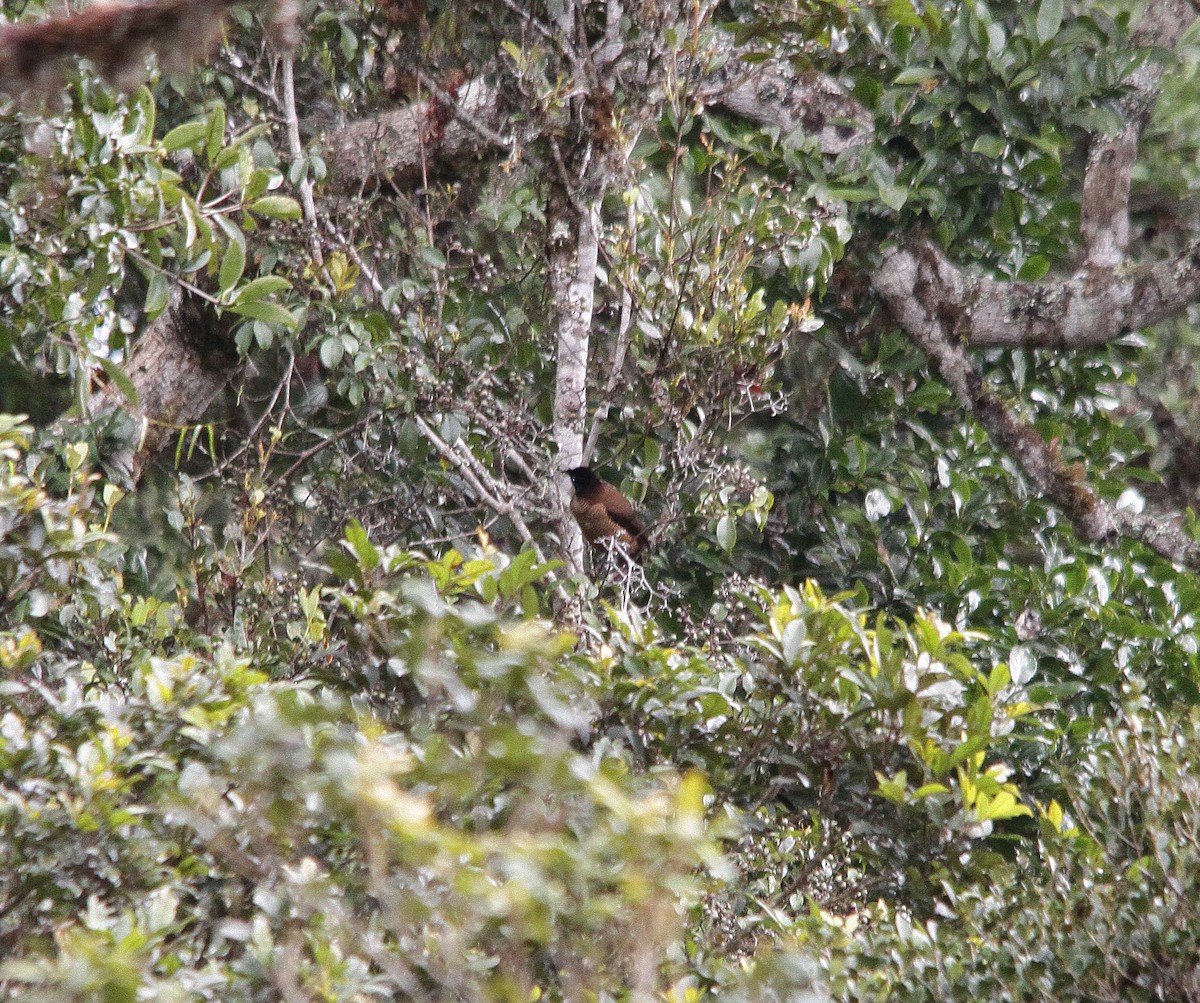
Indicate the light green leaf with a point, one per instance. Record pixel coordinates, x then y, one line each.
270 313
185 137
233 263
1049 20
364 549
277 207
727 533
893 789
332 351
903 12
990 145
928 790
1035 268
261 288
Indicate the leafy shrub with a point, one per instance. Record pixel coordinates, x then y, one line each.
1105 909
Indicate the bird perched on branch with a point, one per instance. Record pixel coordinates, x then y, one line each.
603 512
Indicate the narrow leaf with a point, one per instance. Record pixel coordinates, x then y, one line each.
232 265
121 380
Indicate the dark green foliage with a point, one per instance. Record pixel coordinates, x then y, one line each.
305 714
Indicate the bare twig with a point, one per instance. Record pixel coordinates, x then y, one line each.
482 483
252 435
292 128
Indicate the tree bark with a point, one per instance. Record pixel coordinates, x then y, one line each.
177 367
572 265
402 147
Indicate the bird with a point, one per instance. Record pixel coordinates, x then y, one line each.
603 512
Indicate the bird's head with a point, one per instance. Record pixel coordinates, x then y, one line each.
582 478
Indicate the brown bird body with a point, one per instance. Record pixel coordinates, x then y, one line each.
602 511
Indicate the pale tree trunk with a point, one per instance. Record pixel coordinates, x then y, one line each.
572 286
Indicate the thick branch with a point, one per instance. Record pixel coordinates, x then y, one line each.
428 135
617 367
772 93
1104 209
1093 307
1094 519
399 146
1104 299
944 308
177 367
572 269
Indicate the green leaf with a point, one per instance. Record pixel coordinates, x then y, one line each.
270 313
262 287
1035 268
97 280
147 111
156 294
928 790
929 396
332 351
894 789
185 137
792 640
1003 805
229 156
1049 20
893 196
277 207
848 193
364 550
120 379
215 133
257 183
727 532
915 75
998 678
903 12
433 257
990 145
233 263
